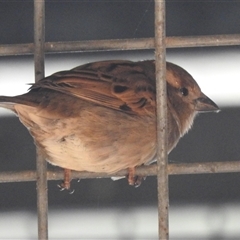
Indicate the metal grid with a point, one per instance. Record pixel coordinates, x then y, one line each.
162 169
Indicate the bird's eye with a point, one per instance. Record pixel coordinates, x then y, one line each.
184 91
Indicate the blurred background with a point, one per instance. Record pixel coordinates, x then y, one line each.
201 206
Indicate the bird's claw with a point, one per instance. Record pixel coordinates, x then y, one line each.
66 183
60 187
134 180
138 181
63 186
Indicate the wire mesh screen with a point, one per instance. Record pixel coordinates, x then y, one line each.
162 169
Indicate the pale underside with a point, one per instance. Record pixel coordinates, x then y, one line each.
90 142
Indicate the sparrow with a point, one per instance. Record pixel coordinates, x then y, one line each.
101 116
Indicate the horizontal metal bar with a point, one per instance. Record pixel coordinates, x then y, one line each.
121 44
173 169
203 41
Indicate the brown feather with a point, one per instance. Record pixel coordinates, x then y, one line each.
100 117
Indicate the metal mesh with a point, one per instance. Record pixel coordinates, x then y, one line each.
162 169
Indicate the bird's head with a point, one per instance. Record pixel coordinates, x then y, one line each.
185 97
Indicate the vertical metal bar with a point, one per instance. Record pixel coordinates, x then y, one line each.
39 38
162 174
42 194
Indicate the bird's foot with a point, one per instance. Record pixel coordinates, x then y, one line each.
66 183
134 180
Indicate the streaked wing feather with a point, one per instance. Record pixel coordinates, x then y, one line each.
114 90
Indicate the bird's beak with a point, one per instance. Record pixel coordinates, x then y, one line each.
205 104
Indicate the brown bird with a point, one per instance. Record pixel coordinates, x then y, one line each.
101 117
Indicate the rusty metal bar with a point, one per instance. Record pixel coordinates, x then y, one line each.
173 169
162 131
121 44
41 174
203 41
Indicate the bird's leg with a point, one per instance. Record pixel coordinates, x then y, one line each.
131 176
66 184
67 179
134 180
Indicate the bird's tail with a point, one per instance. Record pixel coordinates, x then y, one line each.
9 102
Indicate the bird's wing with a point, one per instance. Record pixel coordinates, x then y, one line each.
119 85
